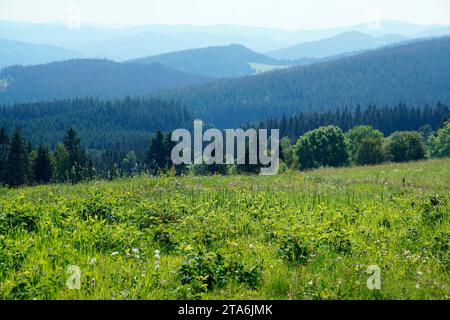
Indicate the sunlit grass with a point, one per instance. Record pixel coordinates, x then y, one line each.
395 216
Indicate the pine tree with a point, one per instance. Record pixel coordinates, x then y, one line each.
43 166
156 154
17 163
61 163
3 152
77 158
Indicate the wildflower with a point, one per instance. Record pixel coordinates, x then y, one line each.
419 273
135 250
114 253
417 286
92 261
157 257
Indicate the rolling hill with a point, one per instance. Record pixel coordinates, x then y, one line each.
121 124
21 53
125 43
342 43
220 61
85 77
414 73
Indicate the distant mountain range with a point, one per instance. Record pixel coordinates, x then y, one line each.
88 77
134 42
220 62
342 43
15 52
415 73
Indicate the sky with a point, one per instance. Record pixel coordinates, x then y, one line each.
279 14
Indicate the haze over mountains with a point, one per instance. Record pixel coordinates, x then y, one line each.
136 42
310 70
342 43
15 52
221 62
414 73
88 77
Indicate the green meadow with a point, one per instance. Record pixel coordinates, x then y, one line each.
296 235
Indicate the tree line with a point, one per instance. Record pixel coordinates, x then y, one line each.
325 146
385 119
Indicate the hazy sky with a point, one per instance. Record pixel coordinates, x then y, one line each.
281 14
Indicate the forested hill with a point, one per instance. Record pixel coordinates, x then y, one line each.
219 61
125 124
15 52
414 73
88 77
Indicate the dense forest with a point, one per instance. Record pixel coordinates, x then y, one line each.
331 139
119 125
220 62
386 119
414 73
88 77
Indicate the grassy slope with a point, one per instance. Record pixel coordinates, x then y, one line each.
393 216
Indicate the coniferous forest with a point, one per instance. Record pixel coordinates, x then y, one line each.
315 160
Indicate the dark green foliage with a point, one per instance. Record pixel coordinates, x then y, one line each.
158 154
76 156
43 166
103 79
121 125
324 146
204 271
17 164
3 152
385 119
294 250
370 151
357 134
414 73
405 146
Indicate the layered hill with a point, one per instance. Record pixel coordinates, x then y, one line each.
414 73
219 61
85 77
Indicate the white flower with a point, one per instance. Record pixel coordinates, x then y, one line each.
157 251
92 260
114 253
250 246
157 256
417 286
419 273
135 250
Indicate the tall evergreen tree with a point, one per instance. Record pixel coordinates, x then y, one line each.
43 166
77 158
3 152
16 171
156 155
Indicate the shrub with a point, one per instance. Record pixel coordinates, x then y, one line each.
324 146
405 146
293 250
370 151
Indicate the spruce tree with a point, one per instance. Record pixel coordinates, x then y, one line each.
156 154
43 166
76 159
16 170
3 152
